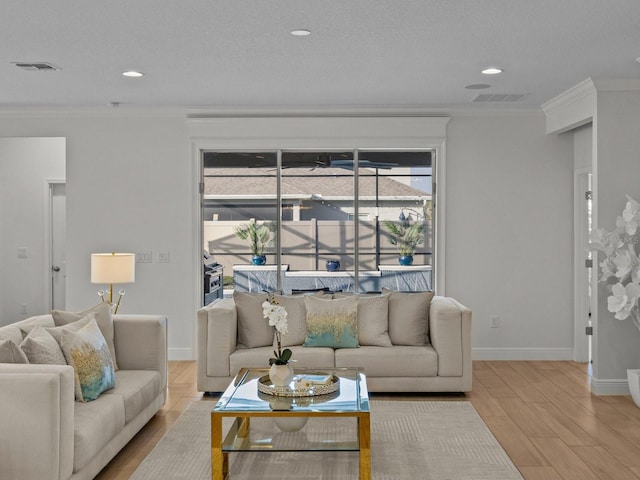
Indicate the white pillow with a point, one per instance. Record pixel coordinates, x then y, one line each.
40 347
11 353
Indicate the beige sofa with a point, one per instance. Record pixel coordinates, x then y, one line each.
46 434
441 364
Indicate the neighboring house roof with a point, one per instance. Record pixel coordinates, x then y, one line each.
327 182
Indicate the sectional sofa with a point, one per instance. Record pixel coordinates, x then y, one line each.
407 342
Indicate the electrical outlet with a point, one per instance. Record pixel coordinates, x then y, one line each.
144 257
495 321
22 252
163 257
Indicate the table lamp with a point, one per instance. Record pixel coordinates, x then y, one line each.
113 268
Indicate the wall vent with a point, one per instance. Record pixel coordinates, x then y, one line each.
498 97
36 66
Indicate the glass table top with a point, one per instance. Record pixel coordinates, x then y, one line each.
243 396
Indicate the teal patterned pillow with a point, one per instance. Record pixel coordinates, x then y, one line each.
87 352
332 323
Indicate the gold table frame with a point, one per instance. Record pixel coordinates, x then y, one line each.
239 432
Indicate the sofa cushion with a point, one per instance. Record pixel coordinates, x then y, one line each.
11 353
87 352
253 329
95 424
409 317
104 318
331 323
40 347
399 361
373 319
296 319
13 333
137 388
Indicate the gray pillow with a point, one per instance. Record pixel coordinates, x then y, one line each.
104 319
296 319
253 328
11 353
40 347
373 319
13 333
409 317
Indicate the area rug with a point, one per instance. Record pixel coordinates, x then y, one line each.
409 440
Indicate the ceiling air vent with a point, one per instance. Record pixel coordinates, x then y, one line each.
38 66
498 97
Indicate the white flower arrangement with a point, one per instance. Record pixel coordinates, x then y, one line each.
277 316
621 262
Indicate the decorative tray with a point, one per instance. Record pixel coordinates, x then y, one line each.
265 386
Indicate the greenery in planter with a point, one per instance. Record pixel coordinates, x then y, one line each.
405 235
259 235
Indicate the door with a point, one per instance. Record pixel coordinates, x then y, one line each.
58 241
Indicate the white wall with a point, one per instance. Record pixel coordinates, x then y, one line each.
25 166
617 129
509 234
131 187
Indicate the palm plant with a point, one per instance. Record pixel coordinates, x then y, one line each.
405 235
259 235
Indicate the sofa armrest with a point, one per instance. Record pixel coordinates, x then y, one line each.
450 334
141 343
36 419
217 331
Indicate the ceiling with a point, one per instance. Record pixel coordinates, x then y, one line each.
362 54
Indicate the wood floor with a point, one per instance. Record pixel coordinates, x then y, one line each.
542 413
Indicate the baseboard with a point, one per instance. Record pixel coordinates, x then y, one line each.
180 354
613 386
532 353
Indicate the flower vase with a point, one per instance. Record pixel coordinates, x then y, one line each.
259 259
405 260
281 375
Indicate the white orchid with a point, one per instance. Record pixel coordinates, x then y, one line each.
621 262
277 316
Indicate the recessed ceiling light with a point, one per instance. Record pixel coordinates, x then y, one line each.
132 73
478 86
492 71
301 32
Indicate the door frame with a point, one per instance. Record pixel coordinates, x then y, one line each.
580 282
48 238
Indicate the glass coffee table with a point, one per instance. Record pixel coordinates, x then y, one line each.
243 400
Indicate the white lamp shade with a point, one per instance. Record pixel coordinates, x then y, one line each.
113 268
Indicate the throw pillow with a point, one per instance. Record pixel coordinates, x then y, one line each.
373 320
57 332
11 353
40 347
86 350
13 333
104 319
331 323
296 319
409 317
253 328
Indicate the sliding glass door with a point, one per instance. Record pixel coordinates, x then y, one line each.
308 207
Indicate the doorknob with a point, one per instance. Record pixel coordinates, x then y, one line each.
55 268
